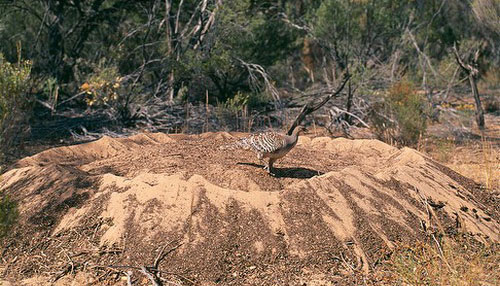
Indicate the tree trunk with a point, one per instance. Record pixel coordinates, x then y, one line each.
472 73
171 89
349 102
477 99
56 42
170 35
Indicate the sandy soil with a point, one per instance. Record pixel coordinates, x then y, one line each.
91 212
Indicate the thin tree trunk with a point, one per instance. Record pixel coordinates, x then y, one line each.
170 48
477 99
171 89
472 73
349 102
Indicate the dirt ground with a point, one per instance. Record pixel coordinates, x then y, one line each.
91 214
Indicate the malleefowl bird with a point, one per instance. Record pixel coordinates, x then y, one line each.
270 145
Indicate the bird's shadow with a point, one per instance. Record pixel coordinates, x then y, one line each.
296 173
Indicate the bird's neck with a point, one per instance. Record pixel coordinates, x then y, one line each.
295 135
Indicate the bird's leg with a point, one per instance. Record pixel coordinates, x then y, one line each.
260 156
270 166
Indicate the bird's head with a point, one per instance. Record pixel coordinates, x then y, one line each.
299 129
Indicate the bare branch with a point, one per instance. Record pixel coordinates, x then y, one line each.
208 24
342 111
176 29
284 18
421 53
163 254
465 67
254 69
311 106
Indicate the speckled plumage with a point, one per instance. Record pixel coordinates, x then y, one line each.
270 145
267 142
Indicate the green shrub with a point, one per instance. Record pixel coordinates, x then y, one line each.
15 106
102 87
401 118
8 214
234 111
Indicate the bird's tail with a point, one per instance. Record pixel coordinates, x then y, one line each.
240 144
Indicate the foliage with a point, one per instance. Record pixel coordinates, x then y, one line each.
102 87
177 51
488 12
15 105
245 32
490 79
8 214
402 116
234 111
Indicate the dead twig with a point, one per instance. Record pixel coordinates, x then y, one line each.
339 111
163 254
349 266
115 267
129 277
430 211
441 254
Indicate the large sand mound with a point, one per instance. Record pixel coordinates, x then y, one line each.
334 205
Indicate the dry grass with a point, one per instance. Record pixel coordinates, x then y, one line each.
491 166
478 160
450 261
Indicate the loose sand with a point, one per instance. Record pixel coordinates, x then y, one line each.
334 204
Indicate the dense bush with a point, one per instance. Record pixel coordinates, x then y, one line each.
15 106
401 118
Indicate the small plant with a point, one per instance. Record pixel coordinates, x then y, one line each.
51 91
15 105
8 214
401 118
102 87
234 110
444 150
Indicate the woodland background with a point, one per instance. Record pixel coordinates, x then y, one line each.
419 73
75 70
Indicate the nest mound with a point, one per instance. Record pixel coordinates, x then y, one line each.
91 212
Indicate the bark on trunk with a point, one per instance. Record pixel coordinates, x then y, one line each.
349 102
477 99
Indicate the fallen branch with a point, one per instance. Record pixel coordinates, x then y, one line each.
149 269
153 278
312 106
129 277
71 98
441 254
337 110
